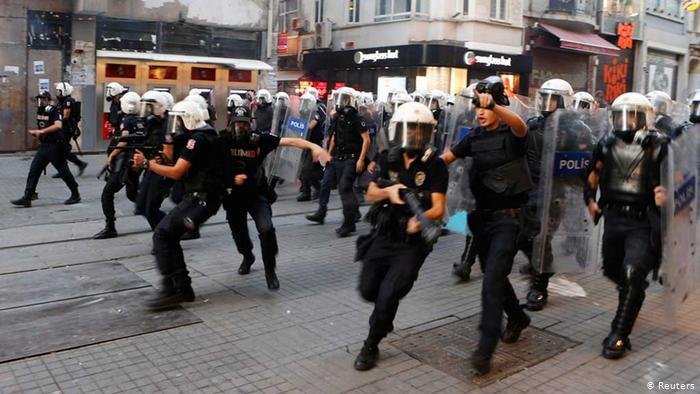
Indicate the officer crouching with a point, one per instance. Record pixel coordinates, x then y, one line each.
393 252
500 181
199 168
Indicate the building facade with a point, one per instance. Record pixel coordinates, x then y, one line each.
143 44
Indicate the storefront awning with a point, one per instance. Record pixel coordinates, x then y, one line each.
238 64
582 42
283 75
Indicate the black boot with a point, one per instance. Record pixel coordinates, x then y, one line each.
110 231
537 296
192 234
345 230
269 249
81 167
617 342
271 278
244 268
304 197
56 176
173 292
73 199
367 358
25 201
318 217
481 362
514 327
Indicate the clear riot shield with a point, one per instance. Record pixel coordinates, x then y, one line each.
383 118
279 114
441 133
373 118
460 199
523 106
568 240
679 265
286 161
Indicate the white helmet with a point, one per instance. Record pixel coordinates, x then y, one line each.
153 102
437 97
114 89
584 101
661 102
345 97
282 96
307 103
63 89
189 112
199 100
169 100
398 99
411 126
450 100
312 91
695 107
194 91
130 103
418 97
234 100
554 92
629 113
263 96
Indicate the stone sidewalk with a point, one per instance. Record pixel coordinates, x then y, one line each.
304 337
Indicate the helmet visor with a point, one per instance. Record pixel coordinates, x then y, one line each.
409 135
147 109
175 124
344 100
582 105
628 119
549 101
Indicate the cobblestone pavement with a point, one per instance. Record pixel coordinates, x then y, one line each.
304 337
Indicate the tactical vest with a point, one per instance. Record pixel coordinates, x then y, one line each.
347 139
630 171
205 177
155 129
535 140
498 167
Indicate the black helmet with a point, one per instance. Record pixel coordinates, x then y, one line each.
241 114
494 86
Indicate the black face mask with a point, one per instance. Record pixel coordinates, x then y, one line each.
241 135
627 136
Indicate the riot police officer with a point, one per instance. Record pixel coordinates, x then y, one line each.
199 168
552 95
114 92
153 187
312 172
50 150
68 109
626 167
349 144
206 94
232 101
500 182
662 104
248 191
394 251
263 111
120 173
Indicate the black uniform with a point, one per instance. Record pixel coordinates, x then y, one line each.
246 156
202 187
312 172
346 128
121 174
263 118
154 188
500 181
70 127
391 258
632 233
51 150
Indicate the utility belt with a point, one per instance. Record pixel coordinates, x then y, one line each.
629 211
513 213
346 156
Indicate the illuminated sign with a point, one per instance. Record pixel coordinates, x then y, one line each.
470 58
361 57
691 5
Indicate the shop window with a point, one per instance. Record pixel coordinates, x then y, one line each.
353 11
318 11
203 74
48 30
670 8
422 7
126 35
162 72
115 70
186 39
240 76
388 10
288 11
465 7
498 9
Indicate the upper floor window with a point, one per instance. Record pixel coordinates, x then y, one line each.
498 9
318 11
465 7
423 7
288 11
670 8
353 11
392 10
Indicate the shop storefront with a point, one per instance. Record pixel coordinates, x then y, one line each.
416 66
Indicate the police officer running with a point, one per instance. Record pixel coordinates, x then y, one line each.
120 174
68 109
199 167
349 144
500 182
248 191
50 150
394 251
626 167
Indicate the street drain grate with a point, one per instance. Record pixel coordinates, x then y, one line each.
449 347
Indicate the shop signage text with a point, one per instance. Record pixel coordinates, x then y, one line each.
691 5
376 55
470 58
615 78
625 31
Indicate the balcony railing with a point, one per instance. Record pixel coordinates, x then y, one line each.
574 7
